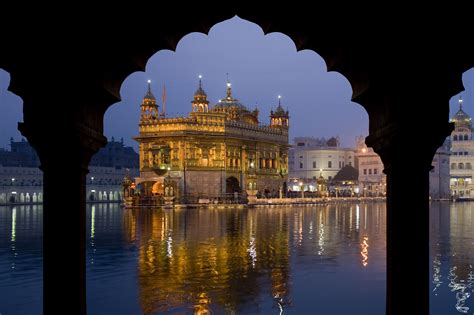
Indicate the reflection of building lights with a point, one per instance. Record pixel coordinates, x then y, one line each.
365 251
321 236
461 286
350 218
436 274
93 222
252 251
13 236
150 255
202 302
280 302
365 217
300 231
357 217
92 233
169 246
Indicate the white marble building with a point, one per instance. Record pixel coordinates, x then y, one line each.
25 184
310 158
439 175
372 180
462 155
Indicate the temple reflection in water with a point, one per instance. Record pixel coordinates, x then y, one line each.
243 261
225 259
208 256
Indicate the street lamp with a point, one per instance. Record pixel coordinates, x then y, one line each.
13 181
302 190
92 195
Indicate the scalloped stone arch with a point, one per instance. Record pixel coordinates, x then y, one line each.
70 81
334 60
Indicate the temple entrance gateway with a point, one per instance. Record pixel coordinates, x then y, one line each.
158 188
232 185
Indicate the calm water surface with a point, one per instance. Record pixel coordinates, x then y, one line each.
312 260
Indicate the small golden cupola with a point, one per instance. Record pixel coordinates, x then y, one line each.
200 102
461 119
279 118
235 110
149 108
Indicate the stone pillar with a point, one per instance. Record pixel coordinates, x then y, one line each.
407 236
407 162
64 156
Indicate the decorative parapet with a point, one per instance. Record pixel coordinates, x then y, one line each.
261 131
213 125
172 120
260 128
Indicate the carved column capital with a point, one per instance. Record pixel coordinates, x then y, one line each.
72 144
407 144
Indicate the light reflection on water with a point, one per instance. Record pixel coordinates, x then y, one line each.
326 260
452 256
20 259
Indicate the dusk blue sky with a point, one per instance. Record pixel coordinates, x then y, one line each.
260 68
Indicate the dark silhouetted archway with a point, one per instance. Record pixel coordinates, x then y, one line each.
81 75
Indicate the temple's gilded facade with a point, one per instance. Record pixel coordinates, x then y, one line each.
216 151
